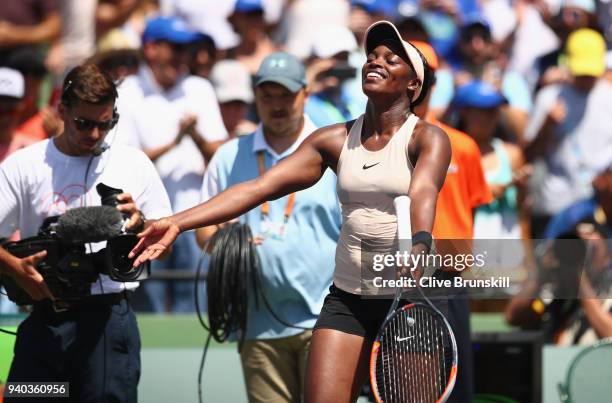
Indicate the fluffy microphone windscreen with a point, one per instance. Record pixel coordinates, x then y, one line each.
89 224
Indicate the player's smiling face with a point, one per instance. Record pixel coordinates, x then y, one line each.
386 71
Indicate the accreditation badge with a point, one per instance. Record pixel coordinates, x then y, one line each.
269 229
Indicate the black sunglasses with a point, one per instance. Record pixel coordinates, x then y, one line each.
87 125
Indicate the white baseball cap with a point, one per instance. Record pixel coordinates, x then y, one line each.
11 83
332 40
232 82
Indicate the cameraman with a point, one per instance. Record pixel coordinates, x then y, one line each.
94 343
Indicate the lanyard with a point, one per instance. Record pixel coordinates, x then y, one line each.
265 207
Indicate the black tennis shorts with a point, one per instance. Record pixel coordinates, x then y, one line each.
358 315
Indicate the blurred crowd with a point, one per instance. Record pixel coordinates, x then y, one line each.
530 81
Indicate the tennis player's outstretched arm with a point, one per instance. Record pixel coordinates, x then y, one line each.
300 170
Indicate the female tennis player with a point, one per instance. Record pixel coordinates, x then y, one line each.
386 152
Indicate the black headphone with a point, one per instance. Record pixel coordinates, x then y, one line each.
114 120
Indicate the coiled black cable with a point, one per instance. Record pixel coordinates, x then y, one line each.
234 264
231 264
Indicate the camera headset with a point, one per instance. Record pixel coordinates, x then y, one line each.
65 100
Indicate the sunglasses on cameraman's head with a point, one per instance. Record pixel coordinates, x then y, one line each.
83 124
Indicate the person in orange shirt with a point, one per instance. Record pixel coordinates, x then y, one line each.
464 189
35 123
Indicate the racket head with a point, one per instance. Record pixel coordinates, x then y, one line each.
405 365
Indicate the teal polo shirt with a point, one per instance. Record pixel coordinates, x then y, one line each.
297 271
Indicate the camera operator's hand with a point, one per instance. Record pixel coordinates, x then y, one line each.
128 206
29 279
155 240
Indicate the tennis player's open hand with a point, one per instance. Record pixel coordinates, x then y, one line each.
154 240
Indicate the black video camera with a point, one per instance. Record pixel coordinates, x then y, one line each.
69 269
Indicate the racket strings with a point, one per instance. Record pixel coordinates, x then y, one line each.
415 357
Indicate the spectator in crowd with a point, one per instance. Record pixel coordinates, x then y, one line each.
568 130
294 240
514 24
203 56
479 61
442 20
174 118
330 101
464 189
25 23
12 92
413 30
362 14
249 23
35 122
573 15
232 83
479 105
580 311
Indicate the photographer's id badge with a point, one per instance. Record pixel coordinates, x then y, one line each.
271 229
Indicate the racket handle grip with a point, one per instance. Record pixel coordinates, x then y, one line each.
404 227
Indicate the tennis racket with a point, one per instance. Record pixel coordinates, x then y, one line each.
414 356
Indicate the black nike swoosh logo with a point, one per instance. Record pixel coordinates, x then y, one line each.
369 166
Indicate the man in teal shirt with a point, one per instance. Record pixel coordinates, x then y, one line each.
298 233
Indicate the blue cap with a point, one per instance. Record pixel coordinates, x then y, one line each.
248 6
284 69
475 18
373 6
478 94
171 29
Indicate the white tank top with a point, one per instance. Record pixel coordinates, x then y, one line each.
368 181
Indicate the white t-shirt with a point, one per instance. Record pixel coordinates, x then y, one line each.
150 119
40 181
